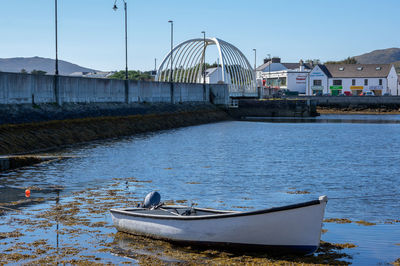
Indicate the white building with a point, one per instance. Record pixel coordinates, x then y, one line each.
96 74
214 76
352 79
274 75
398 85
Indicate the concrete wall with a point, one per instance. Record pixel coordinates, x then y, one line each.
18 88
353 101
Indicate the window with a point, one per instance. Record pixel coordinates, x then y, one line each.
353 82
365 82
317 82
380 82
359 68
337 82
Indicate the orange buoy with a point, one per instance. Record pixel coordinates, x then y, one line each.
27 193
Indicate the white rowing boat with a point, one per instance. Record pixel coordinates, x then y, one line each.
288 229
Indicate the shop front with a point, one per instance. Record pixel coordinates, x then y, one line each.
377 90
356 90
336 90
317 90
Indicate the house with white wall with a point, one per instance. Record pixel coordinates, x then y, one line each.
352 79
398 85
274 75
214 76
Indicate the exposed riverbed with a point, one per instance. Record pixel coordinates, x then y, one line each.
227 165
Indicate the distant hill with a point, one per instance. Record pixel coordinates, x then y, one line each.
384 56
39 63
397 66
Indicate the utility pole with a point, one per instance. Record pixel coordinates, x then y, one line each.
56 87
171 78
255 72
204 66
126 48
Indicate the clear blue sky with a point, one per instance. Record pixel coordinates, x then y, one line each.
91 34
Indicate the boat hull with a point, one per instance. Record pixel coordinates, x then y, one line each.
291 229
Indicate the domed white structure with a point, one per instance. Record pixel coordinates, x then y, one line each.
188 62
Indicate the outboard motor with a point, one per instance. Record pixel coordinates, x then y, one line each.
151 200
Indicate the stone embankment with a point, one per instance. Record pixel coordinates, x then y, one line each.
29 129
356 104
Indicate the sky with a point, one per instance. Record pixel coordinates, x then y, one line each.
91 34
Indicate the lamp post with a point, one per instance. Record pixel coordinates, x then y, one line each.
126 34
171 73
255 59
269 71
204 67
255 71
171 77
56 89
126 48
56 28
204 58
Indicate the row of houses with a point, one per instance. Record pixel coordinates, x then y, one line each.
328 79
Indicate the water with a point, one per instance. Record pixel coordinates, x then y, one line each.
355 160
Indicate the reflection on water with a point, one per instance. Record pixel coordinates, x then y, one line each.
243 165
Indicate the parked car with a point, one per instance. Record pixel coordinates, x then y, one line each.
387 94
348 93
368 93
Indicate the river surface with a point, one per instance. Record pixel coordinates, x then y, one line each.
246 165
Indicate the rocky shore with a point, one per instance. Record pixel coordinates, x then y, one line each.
357 110
29 129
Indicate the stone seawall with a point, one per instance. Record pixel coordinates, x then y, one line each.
357 102
46 135
274 108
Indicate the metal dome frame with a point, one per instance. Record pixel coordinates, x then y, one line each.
188 62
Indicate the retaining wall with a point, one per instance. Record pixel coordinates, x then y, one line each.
356 101
274 108
18 88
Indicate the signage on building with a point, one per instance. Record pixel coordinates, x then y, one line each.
301 79
356 88
316 74
317 88
375 88
336 87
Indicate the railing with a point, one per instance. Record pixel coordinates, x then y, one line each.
234 103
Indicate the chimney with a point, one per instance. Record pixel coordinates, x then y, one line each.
266 60
276 59
301 63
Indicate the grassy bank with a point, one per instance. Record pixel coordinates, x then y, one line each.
40 136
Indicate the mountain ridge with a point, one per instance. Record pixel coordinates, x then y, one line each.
381 56
16 64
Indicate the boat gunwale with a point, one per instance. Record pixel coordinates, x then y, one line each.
224 214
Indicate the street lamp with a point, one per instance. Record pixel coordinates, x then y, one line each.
255 59
204 57
171 77
255 71
172 49
56 22
269 70
126 35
